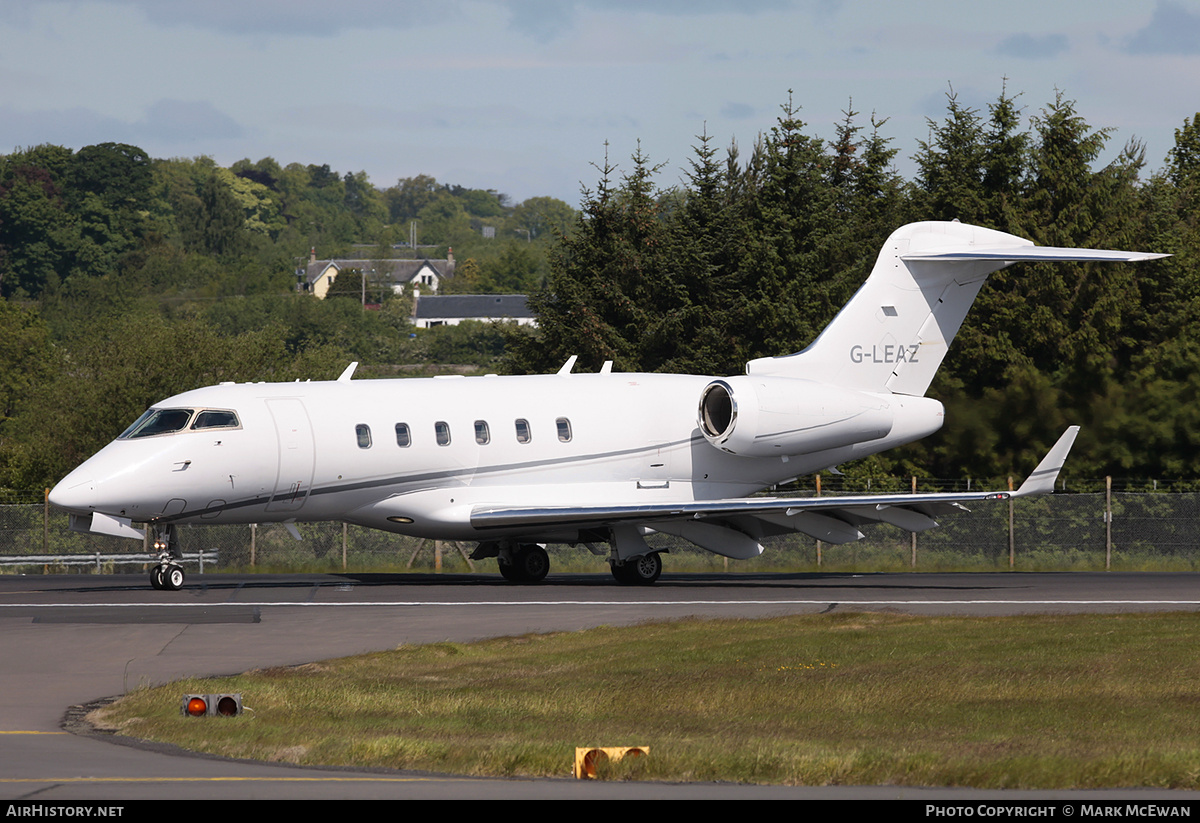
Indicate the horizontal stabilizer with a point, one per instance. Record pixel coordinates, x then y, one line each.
1037 254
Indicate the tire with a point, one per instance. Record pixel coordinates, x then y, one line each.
619 573
156 577
508 571
173 578
532 563
642 570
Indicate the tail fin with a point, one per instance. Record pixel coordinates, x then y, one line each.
894 332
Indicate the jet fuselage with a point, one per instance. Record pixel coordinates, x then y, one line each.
415 456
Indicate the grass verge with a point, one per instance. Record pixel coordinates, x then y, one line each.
1015 702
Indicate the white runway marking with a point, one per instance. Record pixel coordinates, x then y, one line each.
461 603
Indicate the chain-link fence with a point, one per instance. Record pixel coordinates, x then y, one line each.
1121 530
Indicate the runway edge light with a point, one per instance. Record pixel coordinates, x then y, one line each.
589 758
211 705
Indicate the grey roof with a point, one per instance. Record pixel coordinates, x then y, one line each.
472 305
387 271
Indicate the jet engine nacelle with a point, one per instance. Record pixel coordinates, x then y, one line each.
767 416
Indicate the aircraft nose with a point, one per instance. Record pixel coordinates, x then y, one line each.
74 495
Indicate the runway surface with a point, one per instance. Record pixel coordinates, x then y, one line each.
72 639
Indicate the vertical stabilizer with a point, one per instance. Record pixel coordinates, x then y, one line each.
895 331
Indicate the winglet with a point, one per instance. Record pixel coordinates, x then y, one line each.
1044 476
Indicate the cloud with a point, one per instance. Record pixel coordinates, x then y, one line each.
317 18
181 122
737 111
16 11
1034 47
543 20
691 7
1171 30
74 127
166 124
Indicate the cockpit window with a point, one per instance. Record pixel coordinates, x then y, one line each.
158 421
215 420
168 421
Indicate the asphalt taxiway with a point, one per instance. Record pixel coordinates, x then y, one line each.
68 640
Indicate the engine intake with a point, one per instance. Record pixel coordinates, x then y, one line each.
767 416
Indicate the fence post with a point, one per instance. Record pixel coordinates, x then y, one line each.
914 534
1108 523
345 535
253 542
46 522
818 541
1012 554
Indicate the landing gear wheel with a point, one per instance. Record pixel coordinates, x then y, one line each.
619 572
532 563
172 578
166 574
642 570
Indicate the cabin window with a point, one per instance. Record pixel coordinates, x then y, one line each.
363 433
442 430
564 429
403 438
158 421
523 433
211 419
482 435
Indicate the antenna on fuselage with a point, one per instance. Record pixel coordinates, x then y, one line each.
348 373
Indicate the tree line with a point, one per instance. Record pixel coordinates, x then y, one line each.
126 279
752 257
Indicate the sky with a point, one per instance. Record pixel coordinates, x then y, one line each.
528 97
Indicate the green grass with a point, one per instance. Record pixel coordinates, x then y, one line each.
1030 702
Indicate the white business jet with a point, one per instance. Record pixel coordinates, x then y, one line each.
515 463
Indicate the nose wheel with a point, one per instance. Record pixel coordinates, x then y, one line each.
167 575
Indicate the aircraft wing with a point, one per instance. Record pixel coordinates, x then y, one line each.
734 527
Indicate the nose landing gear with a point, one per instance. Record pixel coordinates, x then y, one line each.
167 575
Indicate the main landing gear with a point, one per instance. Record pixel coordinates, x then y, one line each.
529 563
642 570
632 561
525 563
167 575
